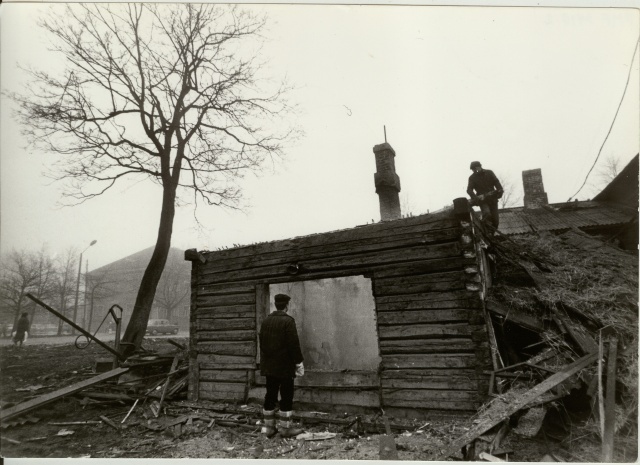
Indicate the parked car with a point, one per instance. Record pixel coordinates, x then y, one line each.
161 327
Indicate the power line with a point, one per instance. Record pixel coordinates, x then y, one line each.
612 122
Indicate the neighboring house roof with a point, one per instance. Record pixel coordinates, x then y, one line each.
624 187
560 216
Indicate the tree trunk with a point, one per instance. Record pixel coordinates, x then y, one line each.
63 305
137 326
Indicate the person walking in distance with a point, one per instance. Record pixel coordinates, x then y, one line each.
22 330
485 190
280 362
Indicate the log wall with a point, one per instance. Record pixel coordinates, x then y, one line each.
432 337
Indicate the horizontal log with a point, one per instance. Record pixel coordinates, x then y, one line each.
416 331
225 387
429 361
225 324
362 380
438 282
221 396
425 305
332 397
466 383
206 361
440 405
243 335
235 376
354 261
424 316
227 348
423 267
210 365
422 224
419 395
226 288
231 311
410 373
334 250
226 299
429 297
427 346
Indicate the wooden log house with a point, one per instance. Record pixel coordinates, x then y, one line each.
390 315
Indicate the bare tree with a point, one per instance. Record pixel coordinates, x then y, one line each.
44 285
98 285
512 195
64 282
24 272
609 170
150 91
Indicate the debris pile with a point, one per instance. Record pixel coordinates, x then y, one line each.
564 333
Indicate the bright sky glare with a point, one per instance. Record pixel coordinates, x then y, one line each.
516 88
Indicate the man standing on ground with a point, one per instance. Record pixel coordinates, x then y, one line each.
280 362
22 329
485 190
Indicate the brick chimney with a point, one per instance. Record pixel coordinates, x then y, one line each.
534 194
387 182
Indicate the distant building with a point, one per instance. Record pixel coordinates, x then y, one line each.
612 214
118 282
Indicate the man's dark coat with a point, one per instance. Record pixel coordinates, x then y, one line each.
279 346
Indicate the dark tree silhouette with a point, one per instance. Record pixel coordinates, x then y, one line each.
164 92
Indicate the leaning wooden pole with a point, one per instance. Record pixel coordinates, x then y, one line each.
503 412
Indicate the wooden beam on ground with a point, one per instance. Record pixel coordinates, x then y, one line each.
24 407
500 412
610 403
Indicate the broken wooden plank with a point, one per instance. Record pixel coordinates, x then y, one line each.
497 412
24 407
610 403
227 348
515 316
174 364
489 458
109 422
586 344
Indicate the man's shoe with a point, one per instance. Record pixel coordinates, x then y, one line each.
269 428
285 427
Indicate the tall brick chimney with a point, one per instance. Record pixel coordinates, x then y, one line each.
387 182
534 194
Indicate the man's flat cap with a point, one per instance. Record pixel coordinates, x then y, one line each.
281 299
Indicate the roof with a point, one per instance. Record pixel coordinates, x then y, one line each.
560 216
624 187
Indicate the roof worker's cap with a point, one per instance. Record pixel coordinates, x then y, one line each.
475 164
281 299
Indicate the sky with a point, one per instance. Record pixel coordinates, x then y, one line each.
516 88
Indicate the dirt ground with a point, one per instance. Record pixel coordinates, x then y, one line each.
37 369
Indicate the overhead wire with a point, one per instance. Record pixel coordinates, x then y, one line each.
626 86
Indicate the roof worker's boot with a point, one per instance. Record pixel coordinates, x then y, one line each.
284 425
269 428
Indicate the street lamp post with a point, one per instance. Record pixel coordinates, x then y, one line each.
75 306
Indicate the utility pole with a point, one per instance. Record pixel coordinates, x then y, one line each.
75 306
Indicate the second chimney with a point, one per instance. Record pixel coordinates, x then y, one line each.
534 194
387 182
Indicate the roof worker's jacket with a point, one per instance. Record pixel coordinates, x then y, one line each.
279 346
483 183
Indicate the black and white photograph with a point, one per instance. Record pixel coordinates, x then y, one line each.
301 231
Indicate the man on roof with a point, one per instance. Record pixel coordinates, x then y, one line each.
485 189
